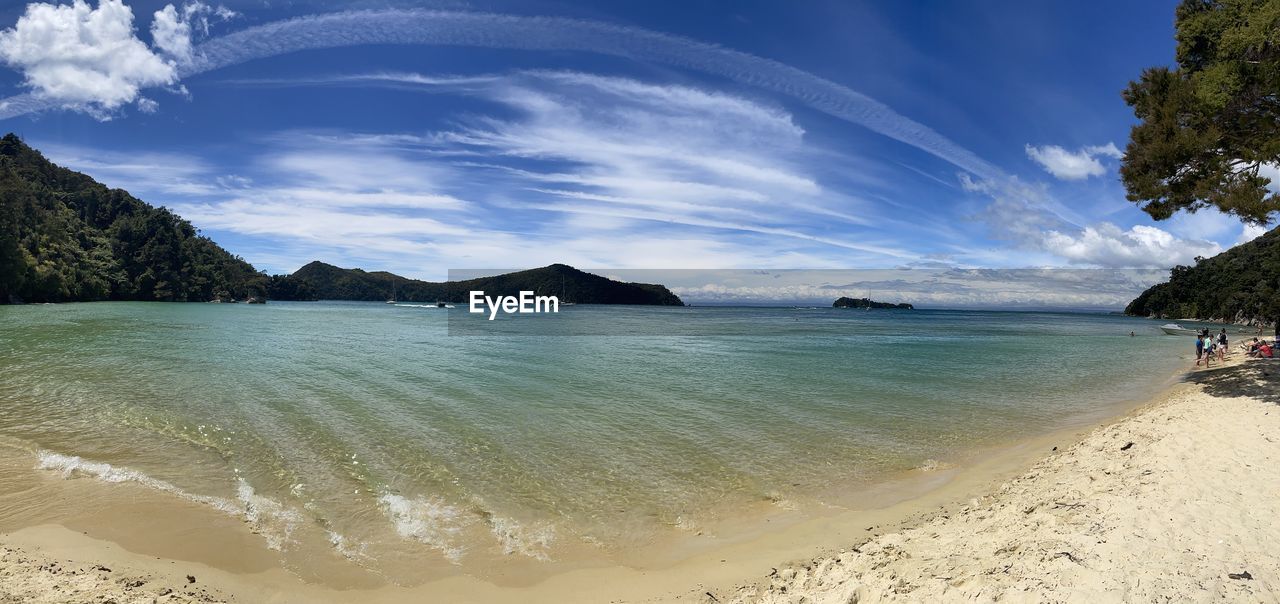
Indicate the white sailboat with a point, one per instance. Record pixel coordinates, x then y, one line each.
392 300
564 298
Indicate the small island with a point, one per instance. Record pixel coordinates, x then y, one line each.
845 302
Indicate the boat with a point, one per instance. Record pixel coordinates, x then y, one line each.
392 299
564 297
1174 329
440 304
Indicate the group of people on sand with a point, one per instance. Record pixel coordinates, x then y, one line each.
1259 350
1209 345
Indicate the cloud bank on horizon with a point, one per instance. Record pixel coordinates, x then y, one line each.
720 158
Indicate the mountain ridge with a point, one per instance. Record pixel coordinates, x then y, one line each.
330 282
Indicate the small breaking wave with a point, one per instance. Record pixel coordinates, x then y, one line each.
427 520
532 541
269 518
345 549
70 465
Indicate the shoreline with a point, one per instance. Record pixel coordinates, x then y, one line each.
721 570
1174 501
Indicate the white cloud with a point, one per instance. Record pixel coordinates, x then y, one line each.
82 57
930 287
1249 232
1206 223
171 33
147 105
1105 244
1066 165
173 30
1272 173
1032 220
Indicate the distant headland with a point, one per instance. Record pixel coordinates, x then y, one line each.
845 302
328 282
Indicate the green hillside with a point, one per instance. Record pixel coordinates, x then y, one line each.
64 237
1241 284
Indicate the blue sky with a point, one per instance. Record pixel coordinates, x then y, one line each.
418 137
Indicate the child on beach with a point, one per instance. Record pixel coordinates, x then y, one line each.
1222 345
1199 349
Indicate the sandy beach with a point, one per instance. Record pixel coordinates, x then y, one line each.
1176 501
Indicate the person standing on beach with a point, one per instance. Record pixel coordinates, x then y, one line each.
1199 349
1222 345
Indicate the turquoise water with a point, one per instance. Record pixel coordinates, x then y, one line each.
369 425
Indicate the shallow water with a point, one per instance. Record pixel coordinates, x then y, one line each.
369 428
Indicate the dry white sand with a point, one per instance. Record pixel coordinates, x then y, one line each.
1194 499
33 577
1175 503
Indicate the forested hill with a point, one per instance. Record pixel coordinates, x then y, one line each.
847 302
329 282
65 237
1241 284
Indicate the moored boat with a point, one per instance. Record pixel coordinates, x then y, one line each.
1174 329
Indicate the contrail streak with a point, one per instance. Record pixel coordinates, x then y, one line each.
490 30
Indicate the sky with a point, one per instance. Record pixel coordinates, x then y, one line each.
420 137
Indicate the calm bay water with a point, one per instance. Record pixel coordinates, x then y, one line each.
369 425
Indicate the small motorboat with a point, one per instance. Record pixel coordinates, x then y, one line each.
1174 329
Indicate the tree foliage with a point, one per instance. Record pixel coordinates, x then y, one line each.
1210 127
1241 284
65 237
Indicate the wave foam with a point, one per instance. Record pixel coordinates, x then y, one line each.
269 518
344 548
427 520
515 538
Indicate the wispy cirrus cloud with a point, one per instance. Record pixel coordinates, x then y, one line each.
580 168
487 30
641 155
157 176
